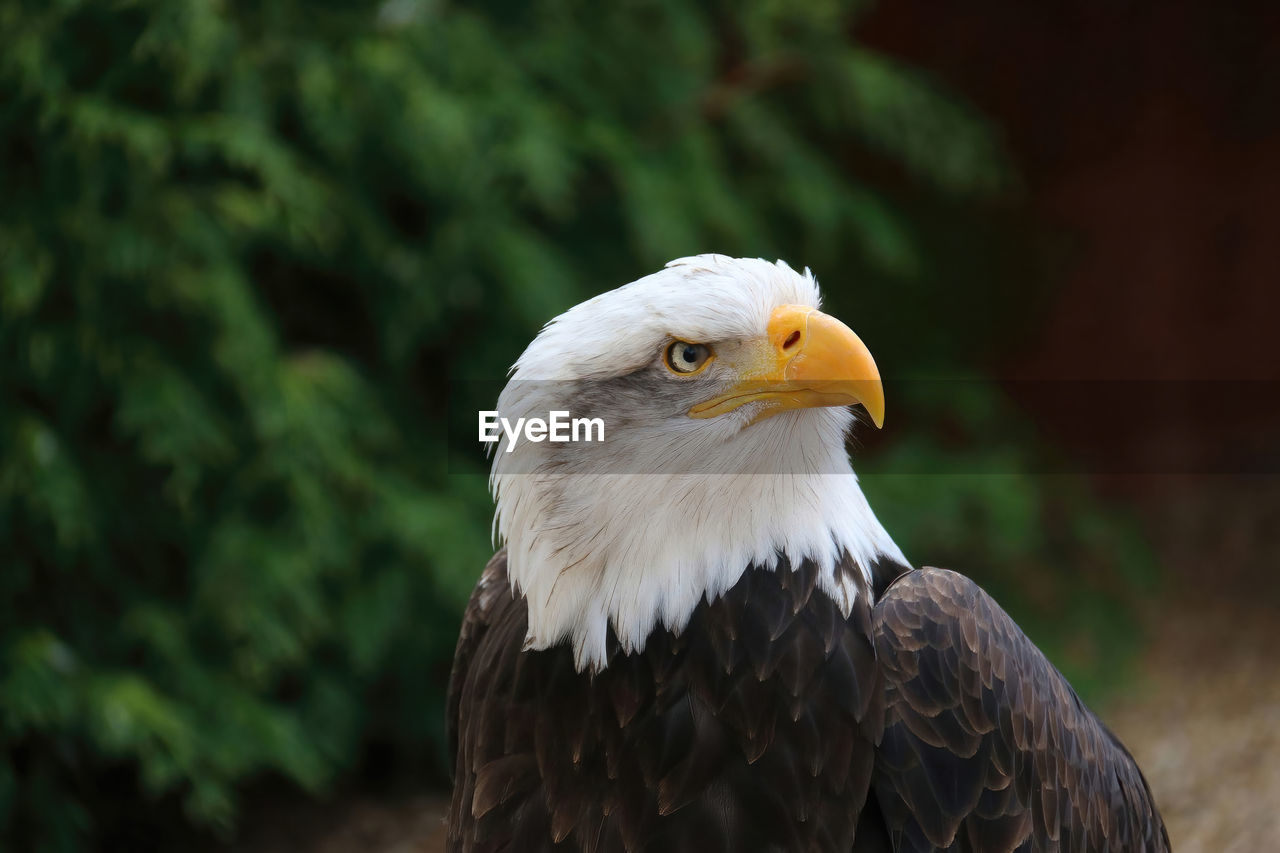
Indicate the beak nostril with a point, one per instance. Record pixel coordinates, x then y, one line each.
792 340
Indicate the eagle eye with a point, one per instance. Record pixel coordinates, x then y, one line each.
685 358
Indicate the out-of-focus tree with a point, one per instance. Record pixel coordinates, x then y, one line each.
247 249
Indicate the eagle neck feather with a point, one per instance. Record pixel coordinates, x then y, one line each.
623 555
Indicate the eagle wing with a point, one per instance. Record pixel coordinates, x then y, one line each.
986 746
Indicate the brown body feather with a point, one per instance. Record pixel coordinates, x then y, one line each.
757 728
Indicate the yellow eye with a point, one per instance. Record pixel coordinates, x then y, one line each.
686 358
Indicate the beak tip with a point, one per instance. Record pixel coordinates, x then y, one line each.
872 400
873 403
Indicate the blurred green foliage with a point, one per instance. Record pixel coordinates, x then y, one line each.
246 248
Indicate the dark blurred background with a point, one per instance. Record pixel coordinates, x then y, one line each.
253 257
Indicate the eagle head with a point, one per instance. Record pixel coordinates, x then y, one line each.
724 395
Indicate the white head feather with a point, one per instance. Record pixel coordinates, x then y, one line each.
635 532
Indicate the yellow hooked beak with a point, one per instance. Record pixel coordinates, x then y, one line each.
809 359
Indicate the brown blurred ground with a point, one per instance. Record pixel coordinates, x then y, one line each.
358 825
1203 715
1206 729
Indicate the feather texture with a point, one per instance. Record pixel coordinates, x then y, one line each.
754 728
986 747
772 722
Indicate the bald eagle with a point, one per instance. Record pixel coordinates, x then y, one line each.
699 637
